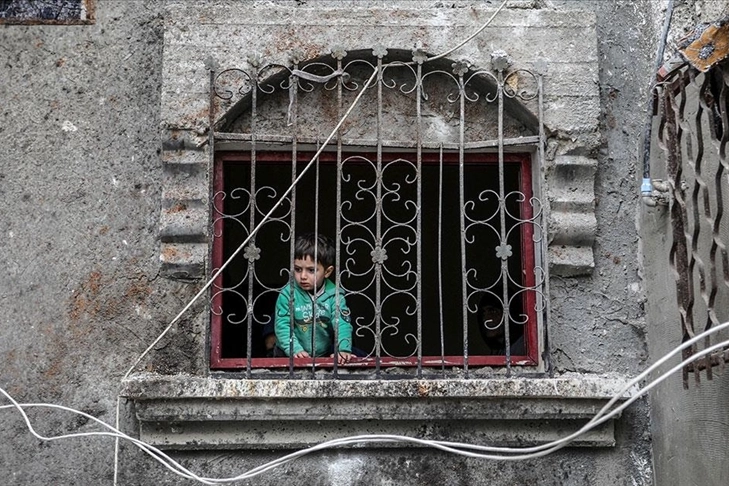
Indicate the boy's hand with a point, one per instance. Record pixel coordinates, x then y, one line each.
343 358
302 354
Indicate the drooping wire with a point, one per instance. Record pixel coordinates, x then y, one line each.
463 449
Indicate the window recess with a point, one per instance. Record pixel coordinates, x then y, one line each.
429 191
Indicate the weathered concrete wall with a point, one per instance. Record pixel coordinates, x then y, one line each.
81 296
79 184
689 427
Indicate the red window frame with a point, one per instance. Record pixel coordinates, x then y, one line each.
530 358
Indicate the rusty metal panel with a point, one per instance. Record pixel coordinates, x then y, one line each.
694 131
707 45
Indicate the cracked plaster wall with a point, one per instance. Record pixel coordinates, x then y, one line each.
81 295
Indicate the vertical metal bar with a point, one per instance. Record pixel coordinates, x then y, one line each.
678 252
701 190
252 221
440 260
418 231
723 166
680 197
314 307
338 223
378 229
719 179
294 94
684 206
719 182
215 334
543 296
502 222
462 202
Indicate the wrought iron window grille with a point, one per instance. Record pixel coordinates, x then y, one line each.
430 188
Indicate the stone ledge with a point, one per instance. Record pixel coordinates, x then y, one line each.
184 412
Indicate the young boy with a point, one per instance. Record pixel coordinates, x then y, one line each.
315 305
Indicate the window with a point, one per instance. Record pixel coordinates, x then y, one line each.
413 267
289 119
47 11
438 227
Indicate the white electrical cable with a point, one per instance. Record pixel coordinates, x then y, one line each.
156 454
255 230
452 447
471 37
626 388
456 448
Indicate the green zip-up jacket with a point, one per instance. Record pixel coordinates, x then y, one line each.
326 318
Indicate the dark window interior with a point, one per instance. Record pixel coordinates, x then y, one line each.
441 271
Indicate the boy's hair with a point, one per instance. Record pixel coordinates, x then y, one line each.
325 251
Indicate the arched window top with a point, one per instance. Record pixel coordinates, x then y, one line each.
443 103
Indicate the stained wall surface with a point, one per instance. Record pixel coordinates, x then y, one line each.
82 296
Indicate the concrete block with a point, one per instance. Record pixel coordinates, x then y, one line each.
296 434
572 184
572 220
572 228
184 182
568 78
183 261
184 147
571 114
570 261
184 221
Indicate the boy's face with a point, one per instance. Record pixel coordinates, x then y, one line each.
310 276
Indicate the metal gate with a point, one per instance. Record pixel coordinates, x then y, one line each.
693 121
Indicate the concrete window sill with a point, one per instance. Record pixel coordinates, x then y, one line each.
186 412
